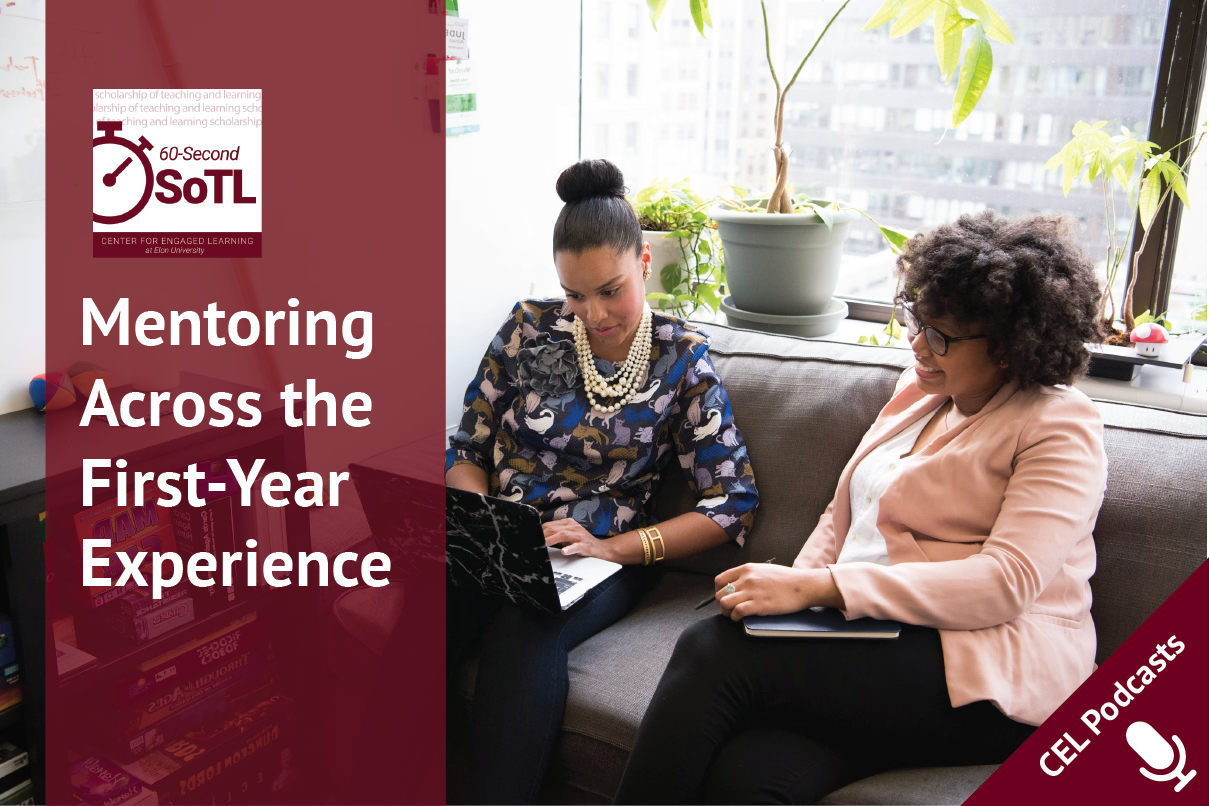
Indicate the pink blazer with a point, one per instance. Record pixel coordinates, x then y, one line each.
990 536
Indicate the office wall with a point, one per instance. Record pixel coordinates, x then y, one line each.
22 300
500 200
22 201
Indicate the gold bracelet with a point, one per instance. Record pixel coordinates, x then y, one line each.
646 547
654 535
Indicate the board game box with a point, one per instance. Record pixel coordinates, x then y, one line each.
188 660
97 780
130 529
235 759
188 691
214 706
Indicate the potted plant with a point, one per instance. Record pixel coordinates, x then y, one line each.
687 274
1093 155
786 264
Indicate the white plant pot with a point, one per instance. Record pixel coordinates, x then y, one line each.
664 252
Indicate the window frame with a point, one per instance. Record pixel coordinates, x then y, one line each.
1180 78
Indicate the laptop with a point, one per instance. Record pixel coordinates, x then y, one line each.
497 547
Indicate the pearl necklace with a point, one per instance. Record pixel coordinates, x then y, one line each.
622 385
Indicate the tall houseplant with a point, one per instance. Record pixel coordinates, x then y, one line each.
783 268
1091 155
950 19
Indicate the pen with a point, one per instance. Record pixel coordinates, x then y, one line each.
704 602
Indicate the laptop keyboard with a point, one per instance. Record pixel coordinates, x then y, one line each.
565 581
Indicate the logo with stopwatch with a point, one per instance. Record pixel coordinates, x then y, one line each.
120 193
175 191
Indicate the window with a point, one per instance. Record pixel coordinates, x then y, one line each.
868 119
635 21
602 81
602 19
631 138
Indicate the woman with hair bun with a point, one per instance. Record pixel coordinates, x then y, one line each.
577 409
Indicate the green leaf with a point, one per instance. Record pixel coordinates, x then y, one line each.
1072 164
894 237
823 213
694 7
889 10
739 192
995 26
656 7
975 73
948 24
893 329
1176 179
704 248
705 13
1056 160
862 339
914 14
670 277
1148 198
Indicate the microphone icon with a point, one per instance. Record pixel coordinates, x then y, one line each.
1157 753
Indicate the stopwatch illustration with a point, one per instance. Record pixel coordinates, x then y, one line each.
119 189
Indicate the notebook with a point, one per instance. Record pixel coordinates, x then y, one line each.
819 622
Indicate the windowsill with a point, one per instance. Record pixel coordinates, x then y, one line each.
1159 387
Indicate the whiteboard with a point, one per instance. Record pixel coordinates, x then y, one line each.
22 101
22 198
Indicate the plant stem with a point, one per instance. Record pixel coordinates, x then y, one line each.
779 200
1127 303
1109 270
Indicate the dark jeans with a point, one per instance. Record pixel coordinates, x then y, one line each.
521 687
737 719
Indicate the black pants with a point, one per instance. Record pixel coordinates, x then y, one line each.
737 719
521 686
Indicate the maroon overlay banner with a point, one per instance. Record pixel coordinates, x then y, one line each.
1135 731
176 244
249 414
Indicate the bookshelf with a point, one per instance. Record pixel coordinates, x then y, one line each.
170 447
22 583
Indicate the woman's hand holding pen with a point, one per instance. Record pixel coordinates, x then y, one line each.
762 589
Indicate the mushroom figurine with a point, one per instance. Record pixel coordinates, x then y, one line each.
1148 338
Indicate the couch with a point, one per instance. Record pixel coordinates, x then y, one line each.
803 406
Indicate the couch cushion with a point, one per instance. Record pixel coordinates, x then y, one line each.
1150 535
803 407
925 785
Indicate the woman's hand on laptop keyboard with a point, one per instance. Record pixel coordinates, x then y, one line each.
572 539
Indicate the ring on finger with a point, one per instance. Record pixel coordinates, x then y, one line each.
730 588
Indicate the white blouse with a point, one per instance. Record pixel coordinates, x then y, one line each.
870 478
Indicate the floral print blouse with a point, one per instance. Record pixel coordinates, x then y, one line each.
526 422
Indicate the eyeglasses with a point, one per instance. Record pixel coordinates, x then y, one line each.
938 342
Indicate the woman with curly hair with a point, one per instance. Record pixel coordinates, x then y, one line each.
966 514
578 407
